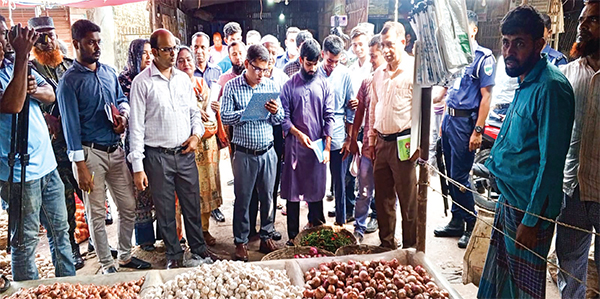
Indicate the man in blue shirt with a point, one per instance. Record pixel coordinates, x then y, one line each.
528 160
44 190
94 115
254 160
233 32
555 57
468 103
338 77
204 69
291 49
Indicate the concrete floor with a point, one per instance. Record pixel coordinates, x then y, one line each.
441 251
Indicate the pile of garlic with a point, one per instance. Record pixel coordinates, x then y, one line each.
227 279
44 265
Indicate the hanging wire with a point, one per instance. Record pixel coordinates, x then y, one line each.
463 189
514 240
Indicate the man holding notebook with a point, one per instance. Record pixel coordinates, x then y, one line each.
254 159
307 100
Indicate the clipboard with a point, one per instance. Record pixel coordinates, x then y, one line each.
255 110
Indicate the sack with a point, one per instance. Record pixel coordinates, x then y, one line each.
210 128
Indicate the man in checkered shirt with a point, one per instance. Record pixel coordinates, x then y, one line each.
254 159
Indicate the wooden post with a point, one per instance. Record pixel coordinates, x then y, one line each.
423 181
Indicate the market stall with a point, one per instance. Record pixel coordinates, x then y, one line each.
288 275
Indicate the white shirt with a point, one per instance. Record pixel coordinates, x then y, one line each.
580 76
164 112
359 73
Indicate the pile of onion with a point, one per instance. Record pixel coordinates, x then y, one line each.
126 290
370 279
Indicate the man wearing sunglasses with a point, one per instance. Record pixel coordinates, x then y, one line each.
254 160
94 114
51 63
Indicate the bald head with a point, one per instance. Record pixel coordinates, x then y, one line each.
164 48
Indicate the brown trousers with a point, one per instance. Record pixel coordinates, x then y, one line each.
394 179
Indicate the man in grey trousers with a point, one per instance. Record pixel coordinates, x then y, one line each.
94 115
166 128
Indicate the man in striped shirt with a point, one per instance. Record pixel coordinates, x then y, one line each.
254 160
581 202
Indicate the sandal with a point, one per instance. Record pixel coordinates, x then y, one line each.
284 211
6 285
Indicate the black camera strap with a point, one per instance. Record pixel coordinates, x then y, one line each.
18 145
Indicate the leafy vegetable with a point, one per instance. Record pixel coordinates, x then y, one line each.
326 239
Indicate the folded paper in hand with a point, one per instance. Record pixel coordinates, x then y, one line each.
318 147
255 110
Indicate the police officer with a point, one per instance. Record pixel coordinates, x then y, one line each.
555 57
468 103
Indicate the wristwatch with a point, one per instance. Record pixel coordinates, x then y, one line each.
478 129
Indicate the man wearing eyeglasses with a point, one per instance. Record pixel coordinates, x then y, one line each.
166 127
94 114
51 63
254 160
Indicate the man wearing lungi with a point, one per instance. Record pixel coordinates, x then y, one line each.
527 160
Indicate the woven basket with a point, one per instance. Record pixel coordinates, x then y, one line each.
337 229
289 252
360 249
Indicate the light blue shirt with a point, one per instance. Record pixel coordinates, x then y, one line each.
254 135
41 156
342 89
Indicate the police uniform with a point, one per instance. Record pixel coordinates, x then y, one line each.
555 57
459 123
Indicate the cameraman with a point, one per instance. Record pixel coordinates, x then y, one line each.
43 199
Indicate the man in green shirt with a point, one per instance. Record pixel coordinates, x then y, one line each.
527 160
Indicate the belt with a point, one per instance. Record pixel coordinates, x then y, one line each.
393 137
105 148
164 150
459 112
248 151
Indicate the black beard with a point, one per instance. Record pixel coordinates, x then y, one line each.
238 69
527 65
306 75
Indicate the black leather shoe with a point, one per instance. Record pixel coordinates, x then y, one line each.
290 243
110 270
276 236
77 259
454 228
148 247
372 226
350 218
464 239
331 213
174 264
114 253
136 263
217 215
